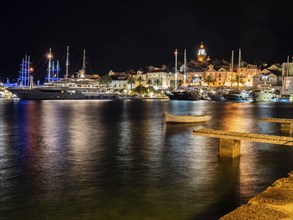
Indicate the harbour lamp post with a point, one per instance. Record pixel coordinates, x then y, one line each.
31 70
49 65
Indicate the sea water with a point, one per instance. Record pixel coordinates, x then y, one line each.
118 160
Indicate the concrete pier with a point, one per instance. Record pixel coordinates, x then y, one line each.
229 148
286 128
229 141
275 203
286 125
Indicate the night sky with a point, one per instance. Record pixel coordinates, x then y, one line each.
124 35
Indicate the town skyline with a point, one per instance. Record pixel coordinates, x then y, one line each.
40 71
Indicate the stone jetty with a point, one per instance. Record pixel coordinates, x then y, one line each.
275 203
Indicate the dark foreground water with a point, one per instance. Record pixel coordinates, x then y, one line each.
117 160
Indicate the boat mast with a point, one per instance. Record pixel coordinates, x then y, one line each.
83 63
232 67
81 72
239 66
24 72
288 66
67 63
53 71
57 70
286 75
27 72
184 68
239 59
176 53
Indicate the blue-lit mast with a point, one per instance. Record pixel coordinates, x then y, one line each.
24 72
27 72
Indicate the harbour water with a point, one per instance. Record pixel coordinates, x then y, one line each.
117 160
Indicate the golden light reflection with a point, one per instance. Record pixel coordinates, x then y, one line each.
242 117
237 117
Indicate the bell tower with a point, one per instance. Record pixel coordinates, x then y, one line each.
201 54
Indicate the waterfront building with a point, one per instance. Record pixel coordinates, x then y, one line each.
215 77
159 76
194 73
119 80
194 76
251 71
271 76
119 83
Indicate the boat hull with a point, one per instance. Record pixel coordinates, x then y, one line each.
58 93
169 118
264 96
184 95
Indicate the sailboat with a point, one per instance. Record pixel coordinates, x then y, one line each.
235 94
67 88
182 93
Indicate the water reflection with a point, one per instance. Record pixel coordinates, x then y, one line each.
117 160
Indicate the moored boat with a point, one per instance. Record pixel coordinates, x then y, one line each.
170 118
188 95
236 95
57 91
77 87
264 93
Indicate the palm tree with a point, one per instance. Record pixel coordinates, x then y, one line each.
131 81
149 82
140 80
210 80
106 79
158 82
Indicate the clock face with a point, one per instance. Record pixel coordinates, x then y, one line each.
201 52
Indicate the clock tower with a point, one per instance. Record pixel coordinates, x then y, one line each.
201 54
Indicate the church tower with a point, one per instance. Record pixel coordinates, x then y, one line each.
201 54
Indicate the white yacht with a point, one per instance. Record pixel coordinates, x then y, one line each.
264 93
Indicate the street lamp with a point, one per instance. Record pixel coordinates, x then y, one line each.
31 69
49 65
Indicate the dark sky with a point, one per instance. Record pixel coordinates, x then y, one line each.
123 35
